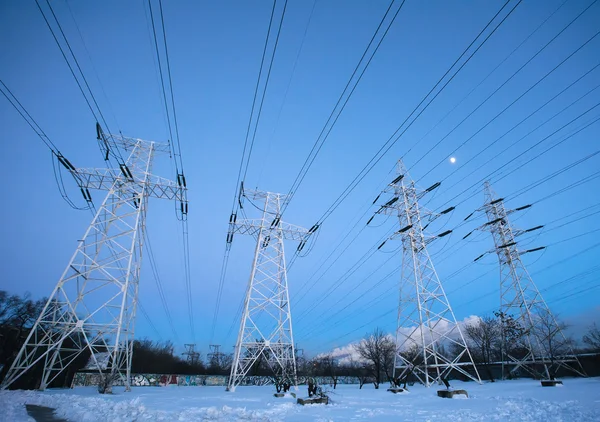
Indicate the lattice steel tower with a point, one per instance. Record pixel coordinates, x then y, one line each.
266 327
429 341
93 306
542 348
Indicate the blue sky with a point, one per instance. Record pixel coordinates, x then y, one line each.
215 50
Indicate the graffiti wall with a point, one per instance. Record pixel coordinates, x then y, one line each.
83 379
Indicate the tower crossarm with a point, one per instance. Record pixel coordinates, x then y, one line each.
103 179
254 226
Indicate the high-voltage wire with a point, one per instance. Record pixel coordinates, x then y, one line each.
457 272
285 93
114 151
159 286
585 74
341 102
486 78
56 154
245 160
175 147
504 84
517 142
494 172
374 160
400 131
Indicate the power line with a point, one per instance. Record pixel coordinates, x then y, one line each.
326 130
114 151
56 154
504 84
159 285
399 132
244 161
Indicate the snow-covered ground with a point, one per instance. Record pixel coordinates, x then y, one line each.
519 400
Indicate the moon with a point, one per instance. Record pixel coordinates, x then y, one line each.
452 160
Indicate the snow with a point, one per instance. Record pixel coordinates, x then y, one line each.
517 400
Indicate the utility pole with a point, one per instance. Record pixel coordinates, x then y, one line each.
541 344
92 309
426 327
192 356
266 324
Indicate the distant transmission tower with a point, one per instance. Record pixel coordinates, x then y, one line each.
192 356
214 357
266 326
429 341
543 344
92 308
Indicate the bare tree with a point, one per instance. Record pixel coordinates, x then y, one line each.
330 368
592 338
549 332
378 350
484 337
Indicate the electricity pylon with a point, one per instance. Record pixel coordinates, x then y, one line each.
93 306
429 341
266 326
541 342
192 356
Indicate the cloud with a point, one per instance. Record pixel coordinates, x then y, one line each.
347 353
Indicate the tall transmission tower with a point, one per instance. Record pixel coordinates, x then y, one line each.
92 309
429 341
541 348
266 326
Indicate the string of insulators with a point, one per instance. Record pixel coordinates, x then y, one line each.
506 245
314 228
100 136
181 180
524 207
232 220
381 246
533 229
301 246
370 219
136 201
447 210
376 199
534 249
86 194
467 235
266 241
125 170
276 221
402 230
426 225
495 201
469 216
241 194
184 207
397 179
479 257
432 187
391 201
493 221
446 233
65 162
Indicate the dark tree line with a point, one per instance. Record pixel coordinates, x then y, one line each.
18 315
